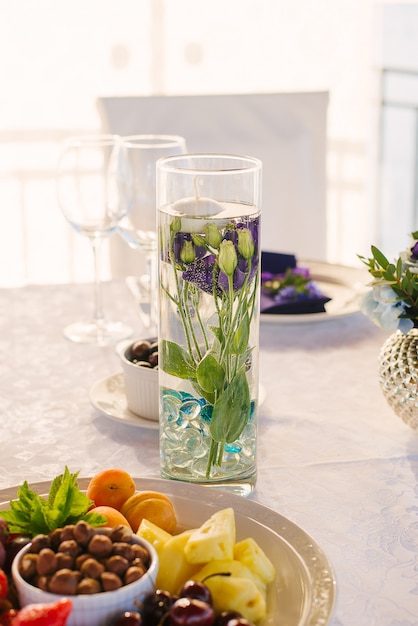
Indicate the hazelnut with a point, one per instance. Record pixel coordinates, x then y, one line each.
64 582
117 564
83 532
121 533
69 546
88 586
67 532
132 574
39 542
28 566
100 546
92 568
123 549
64 560
47 562
110 581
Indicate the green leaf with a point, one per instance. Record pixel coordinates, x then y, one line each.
176 361
399 266
380 257
231 411
217 331
94 519
242 335
210 374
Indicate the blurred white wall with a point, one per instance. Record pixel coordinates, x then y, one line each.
56 58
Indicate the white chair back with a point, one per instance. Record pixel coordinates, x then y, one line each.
287 131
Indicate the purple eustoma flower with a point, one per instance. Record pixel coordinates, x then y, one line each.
201 273
414 252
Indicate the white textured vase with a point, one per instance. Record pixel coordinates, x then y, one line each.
398 375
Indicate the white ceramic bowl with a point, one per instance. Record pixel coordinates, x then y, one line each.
98 608
141 386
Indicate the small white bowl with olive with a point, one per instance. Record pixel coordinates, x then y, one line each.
139 360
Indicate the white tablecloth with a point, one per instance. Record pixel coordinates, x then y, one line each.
333 457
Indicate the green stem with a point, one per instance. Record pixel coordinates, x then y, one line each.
199 319
179 298
189 319
213 453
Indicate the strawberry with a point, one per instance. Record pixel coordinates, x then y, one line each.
4 585
55 614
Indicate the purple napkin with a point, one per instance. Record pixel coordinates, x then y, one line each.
275 265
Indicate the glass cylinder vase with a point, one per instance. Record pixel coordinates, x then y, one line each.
209 268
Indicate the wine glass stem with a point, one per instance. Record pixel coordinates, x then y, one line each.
96 245
151 261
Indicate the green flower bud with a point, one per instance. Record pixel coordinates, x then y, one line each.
176 225
198 240
245 243
227 257
213 236
187 253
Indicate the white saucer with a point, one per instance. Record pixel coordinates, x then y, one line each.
108 397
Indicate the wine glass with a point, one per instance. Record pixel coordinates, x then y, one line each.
137 191
88 199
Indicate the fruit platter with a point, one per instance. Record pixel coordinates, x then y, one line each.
226 560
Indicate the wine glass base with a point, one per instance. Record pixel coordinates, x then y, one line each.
100 334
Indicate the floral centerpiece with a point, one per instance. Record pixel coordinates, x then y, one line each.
392 304
392 301
209 292
294 285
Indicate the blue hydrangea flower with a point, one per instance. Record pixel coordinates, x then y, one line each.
384 310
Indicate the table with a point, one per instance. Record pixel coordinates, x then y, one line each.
333 457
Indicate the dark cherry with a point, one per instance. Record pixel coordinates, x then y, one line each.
129 618
191 612
197 590
4 531
2 555
225 618
12 548
155 606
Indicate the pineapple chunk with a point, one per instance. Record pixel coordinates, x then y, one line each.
249 552
227 568
174 569
214 539
237 594
152 533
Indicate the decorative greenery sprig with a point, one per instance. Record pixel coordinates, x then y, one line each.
393 300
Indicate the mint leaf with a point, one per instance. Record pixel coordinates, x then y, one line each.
30 514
